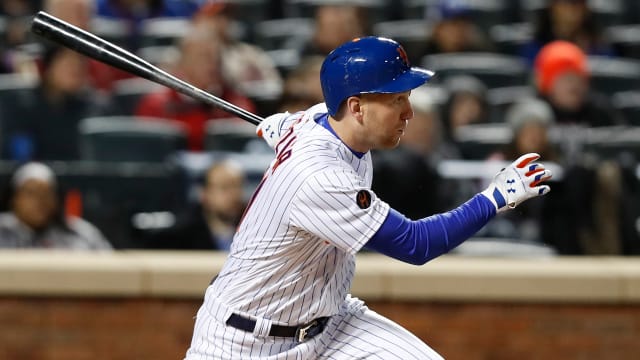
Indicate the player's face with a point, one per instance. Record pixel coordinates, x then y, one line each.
385 118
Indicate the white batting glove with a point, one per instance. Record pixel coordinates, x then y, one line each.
269 128
518 182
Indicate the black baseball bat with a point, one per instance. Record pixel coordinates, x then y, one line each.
93 46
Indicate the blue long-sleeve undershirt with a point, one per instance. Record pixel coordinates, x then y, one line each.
419 241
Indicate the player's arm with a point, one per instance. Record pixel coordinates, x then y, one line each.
417 242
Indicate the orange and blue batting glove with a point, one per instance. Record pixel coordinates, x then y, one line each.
519 181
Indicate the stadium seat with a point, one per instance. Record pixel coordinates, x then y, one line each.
16 82
611 75
233 135
628 103
287 33
632 11
507 247
126 94
509 38
239 30
115 31
14 88
162 56
614 142
478 141
606 12
377 10
250 11
163 31
483 13
494 70
414 9
111 193
609 12
412 34
129 139
500 99
285 60
266 95
3 25
625 39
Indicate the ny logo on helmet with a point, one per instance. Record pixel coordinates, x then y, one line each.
403 55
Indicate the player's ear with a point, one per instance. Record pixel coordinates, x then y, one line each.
354 106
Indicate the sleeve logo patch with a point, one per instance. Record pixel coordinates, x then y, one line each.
363 199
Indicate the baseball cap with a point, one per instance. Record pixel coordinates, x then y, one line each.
529 110
33 171
557 58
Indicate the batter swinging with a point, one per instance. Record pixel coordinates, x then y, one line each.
283 292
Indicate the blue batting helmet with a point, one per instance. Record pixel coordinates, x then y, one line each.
367 65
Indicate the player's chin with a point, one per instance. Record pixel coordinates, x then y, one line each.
390 143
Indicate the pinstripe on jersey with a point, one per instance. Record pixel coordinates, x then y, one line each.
293 257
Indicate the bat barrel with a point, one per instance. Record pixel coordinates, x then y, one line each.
95 47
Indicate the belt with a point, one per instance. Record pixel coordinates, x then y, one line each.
301 333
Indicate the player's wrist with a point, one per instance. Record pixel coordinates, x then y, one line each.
269 129
496 197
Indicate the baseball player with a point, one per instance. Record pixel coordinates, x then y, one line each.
283 292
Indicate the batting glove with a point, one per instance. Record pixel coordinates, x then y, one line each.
518 182
269 128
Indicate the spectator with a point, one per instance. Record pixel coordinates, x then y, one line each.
466 104
530 121
568 20
16 12
43 123
211 224
15 33
594 211
134 12
588 213
335 25
302 86
80 13
199 65
35 218
18 7
454 30
244 65
562 79
143 9
76 12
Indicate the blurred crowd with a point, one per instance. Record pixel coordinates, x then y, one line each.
556 77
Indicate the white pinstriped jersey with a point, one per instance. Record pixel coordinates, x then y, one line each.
293 257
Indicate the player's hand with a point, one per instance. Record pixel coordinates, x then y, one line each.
518 182
269 129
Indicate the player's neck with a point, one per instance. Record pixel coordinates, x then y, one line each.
349 136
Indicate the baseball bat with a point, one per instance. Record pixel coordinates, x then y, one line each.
93 46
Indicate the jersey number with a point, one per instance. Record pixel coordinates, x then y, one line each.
283 149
